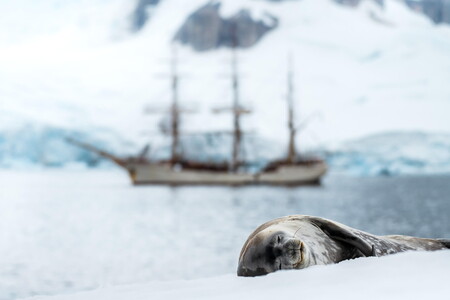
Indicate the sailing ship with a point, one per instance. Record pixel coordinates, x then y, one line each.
292 170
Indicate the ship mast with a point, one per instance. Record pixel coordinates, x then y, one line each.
291 156
175 111
236 110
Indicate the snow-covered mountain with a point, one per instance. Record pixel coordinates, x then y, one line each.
79 68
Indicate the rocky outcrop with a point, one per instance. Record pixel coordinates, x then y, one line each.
141 13
357 2
205 29
436 10
343 2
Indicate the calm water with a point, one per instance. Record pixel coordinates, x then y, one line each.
64 231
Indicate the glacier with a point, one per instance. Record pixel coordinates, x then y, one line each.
393 153
387 154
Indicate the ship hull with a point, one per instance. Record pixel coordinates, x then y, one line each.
142 174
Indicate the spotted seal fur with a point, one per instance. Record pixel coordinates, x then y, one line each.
298 241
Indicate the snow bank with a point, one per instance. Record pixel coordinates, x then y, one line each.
413 275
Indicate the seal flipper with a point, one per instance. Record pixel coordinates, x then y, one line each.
342 234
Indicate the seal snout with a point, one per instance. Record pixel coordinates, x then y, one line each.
293 251
293 244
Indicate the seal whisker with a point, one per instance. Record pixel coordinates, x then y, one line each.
295 233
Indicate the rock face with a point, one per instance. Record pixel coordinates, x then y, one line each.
141 13
436 10
205 29
356 2
343 2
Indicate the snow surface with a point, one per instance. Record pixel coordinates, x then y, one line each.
413 275
72 65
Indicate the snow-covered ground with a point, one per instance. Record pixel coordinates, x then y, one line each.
71 65
412 276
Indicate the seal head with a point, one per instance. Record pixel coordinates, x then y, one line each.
297 242
270 251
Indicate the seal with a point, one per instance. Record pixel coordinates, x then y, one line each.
298 241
